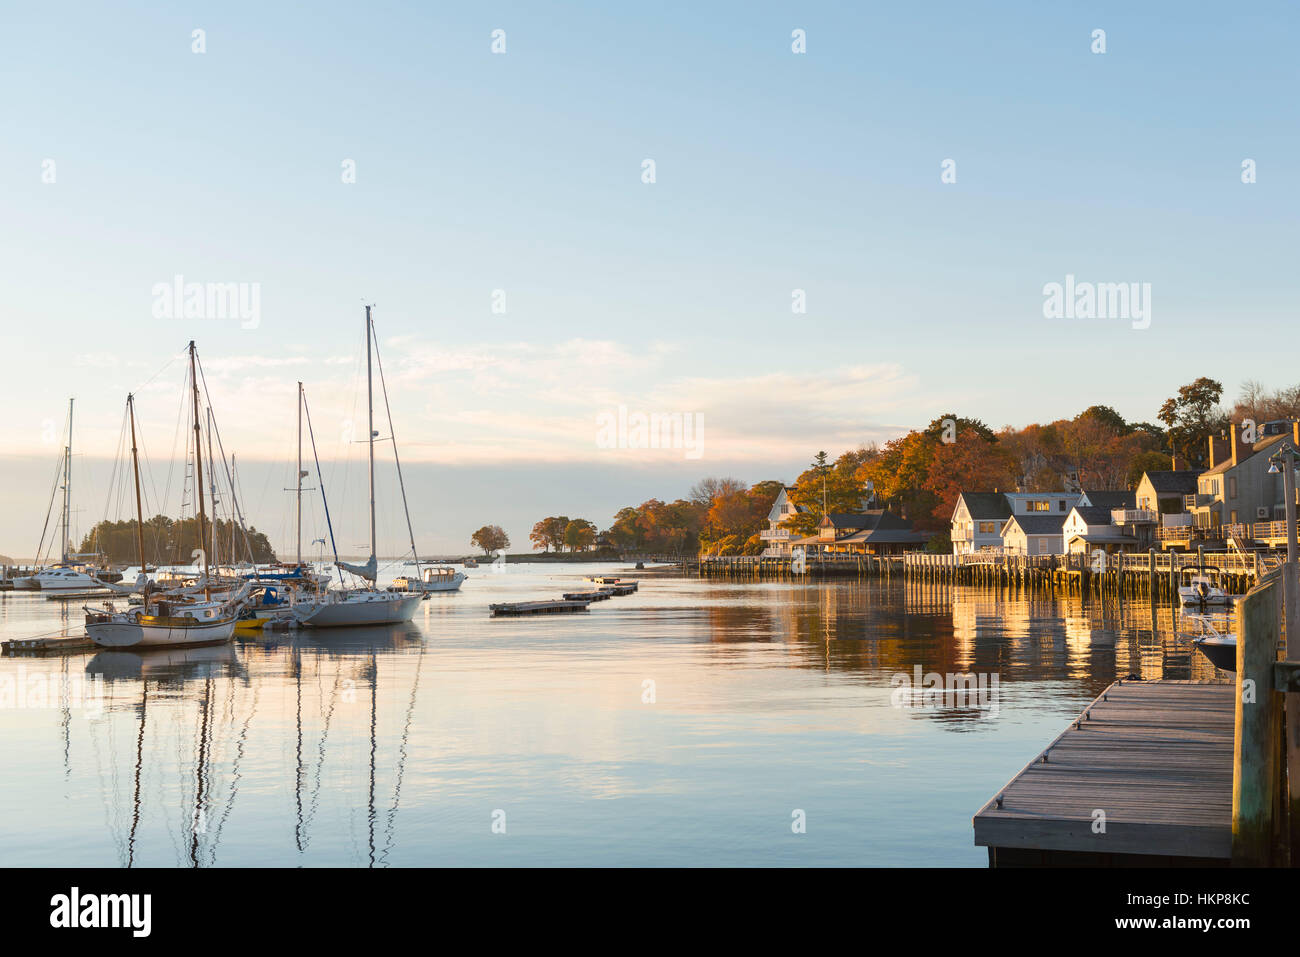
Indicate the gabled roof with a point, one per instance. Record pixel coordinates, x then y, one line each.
986 505
1182 482
1039 524
1108 499
1245 452
1095 514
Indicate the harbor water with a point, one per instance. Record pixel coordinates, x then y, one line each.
691 723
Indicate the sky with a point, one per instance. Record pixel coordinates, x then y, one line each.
528 282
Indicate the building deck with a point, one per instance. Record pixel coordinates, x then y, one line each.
1155 757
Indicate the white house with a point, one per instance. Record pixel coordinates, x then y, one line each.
979 518
1033 534
977 521
778 538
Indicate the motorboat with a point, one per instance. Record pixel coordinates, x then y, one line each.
470 563
1220 647
436 579
1201 588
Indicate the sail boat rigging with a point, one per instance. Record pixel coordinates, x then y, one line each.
368 604
170 618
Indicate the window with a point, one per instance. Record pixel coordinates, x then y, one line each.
1232 487
1044 546
1062 505
988 528
1038 505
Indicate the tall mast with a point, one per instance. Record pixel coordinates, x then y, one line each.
298 509
198 473
212 486
135 464
67 487
370 419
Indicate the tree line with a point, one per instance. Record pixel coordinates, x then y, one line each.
170 541
919 475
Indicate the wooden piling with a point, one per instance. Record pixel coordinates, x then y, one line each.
1255 771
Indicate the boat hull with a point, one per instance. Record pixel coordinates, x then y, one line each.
1221 652
371 611
163 633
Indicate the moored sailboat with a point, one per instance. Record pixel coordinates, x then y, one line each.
369 604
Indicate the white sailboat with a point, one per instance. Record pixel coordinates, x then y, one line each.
170 618
67 575
368 605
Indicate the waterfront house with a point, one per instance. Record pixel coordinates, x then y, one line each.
875 531
979 518
778 538
1237 489
1033 533
977 521
1089 528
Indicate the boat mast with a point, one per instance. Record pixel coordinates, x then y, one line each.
212 486
198 474
370 413
135 463
67 487
298 510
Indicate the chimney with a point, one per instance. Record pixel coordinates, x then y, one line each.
1177 464
1218 450
1295 433
1232 437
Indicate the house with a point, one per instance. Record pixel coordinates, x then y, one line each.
876 531
979 517
1033 534
1163 494
977 521
778 538
1237 488
1089 528
1108 499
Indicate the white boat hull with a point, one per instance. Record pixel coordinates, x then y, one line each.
1189 596
125 633
377 608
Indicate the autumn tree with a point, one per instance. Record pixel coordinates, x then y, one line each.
1192 416
490 538
579 535
549 533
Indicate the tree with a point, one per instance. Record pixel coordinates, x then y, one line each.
969 464
579 535
169 542
1192 417
549 533
706 490
490 538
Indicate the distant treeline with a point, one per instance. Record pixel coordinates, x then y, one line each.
919 475
171 542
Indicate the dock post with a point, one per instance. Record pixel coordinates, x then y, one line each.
1256 778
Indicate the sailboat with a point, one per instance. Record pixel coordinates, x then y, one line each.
67 575
368 605
169 618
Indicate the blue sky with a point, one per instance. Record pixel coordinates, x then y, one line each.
522 172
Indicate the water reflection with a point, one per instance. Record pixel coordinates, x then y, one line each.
387 746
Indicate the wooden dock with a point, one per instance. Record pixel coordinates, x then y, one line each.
61 644
551 607
601 594
1154 757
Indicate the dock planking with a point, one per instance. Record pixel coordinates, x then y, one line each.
1154 756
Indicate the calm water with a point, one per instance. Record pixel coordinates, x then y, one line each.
402 746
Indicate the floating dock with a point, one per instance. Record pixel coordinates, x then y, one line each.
1143 777
601 594
554 606
50 645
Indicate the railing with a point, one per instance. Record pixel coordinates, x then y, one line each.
774 534
1134 516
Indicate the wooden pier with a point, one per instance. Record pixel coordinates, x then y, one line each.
601 594
1171 773
1142 777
